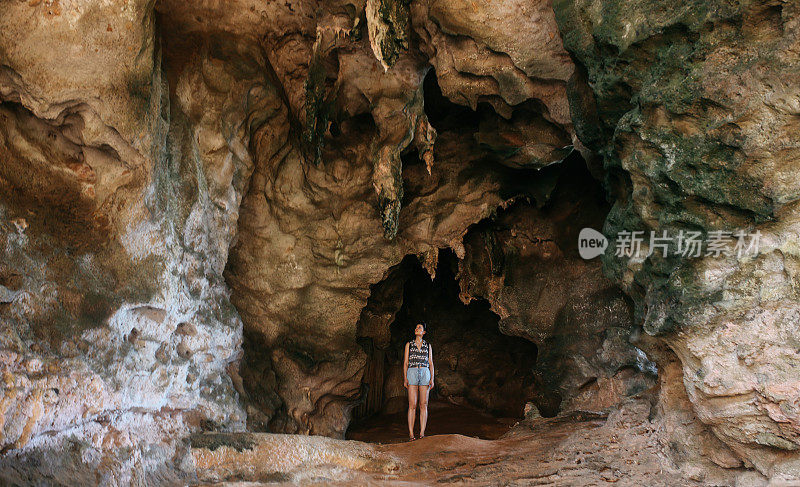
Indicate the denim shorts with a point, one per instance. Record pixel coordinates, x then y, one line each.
418 376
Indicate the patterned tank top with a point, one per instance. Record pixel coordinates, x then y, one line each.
417 357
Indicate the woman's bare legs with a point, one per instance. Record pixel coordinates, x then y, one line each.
412 408
423 409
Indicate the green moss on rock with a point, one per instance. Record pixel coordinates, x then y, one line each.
319 108
396 15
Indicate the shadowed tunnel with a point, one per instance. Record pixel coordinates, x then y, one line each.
480 373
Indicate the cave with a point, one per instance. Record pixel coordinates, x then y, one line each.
219 220
477 368
566 341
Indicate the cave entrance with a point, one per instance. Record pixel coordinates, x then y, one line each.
483 378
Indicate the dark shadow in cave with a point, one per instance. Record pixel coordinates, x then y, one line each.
444 115
483 378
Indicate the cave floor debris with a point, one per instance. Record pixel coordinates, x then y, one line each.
578 449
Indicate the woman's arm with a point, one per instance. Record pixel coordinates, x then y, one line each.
430 364
405 368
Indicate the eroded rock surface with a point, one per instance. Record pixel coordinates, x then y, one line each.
526 265
570 450
120 200
316 268
204 207
697 105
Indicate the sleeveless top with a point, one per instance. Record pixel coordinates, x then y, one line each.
417 357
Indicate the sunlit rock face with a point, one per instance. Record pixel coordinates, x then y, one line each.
125 166
696 107
123 169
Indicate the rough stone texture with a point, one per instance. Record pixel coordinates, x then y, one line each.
123 169
282 90
313 268
696 104
525 263
623 448
479 54
148 148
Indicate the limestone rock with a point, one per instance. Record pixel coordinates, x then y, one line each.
205 210
696 116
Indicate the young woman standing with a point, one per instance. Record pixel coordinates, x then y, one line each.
418 367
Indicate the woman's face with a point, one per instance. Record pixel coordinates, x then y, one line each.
419 330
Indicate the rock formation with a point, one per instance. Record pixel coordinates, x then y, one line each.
697 108
219 220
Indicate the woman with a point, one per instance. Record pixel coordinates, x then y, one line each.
418 366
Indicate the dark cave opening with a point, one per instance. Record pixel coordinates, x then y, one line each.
563 345
564 342
483 378
560 315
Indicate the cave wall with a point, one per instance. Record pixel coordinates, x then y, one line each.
525 263
132 133
123 169
696 103
311 241
178 177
